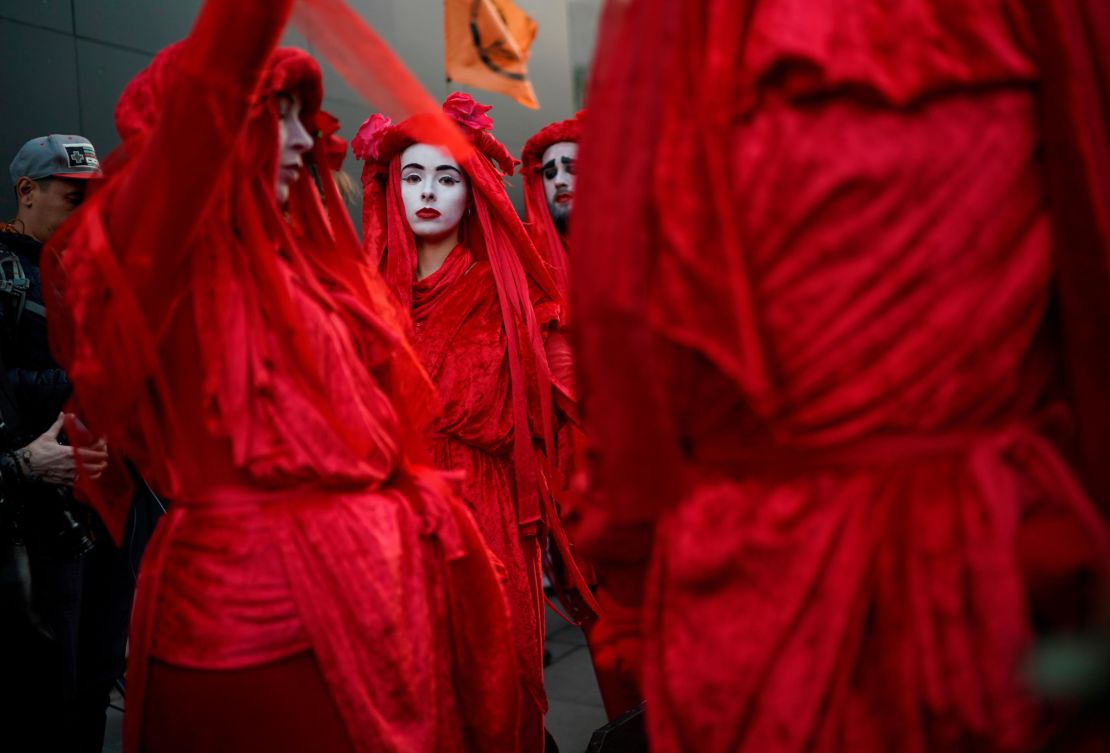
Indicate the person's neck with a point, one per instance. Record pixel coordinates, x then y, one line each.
20 223
432 252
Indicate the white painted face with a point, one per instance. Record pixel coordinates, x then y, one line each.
558 168
293 141
434 191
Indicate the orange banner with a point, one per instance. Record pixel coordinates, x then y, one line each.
488 44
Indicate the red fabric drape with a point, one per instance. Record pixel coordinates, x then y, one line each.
1073 51
481 325
819 363
258 375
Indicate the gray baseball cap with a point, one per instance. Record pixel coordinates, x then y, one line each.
56 156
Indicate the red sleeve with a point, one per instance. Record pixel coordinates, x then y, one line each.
560 360
177 172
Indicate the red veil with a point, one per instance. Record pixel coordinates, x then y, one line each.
550 244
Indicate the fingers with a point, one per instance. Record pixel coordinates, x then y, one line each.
52 432
89 459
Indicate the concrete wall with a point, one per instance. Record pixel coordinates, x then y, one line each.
63 64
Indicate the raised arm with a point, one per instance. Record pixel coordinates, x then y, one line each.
206 103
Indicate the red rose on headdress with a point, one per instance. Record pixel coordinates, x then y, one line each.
326 123
462 108
326 126
367 142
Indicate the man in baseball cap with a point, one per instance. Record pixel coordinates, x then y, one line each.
49 175
61 650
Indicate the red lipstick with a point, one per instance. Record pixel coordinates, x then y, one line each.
427 213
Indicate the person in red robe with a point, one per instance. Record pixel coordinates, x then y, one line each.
549 166
827 331
314 586
486 315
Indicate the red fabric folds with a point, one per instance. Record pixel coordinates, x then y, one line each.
831 252
481 325
1073 50
257 373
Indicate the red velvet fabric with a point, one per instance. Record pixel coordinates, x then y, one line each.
257 373
459 338
283 707
835 261
481 322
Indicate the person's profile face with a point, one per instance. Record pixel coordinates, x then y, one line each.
46 204
293 141
558 167
434 191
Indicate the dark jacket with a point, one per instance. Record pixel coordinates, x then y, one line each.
38 385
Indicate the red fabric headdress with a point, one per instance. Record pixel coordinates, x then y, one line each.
551 245
495 233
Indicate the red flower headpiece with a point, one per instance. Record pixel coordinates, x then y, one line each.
335 146
464 110
366 145
379 139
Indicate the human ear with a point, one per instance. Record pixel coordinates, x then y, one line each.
24 190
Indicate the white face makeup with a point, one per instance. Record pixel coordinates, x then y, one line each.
558 168
434 191
293 141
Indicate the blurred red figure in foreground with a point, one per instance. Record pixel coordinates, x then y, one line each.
549 164
303 592
835 383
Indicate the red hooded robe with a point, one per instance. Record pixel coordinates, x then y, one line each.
480 325
549 242
256 372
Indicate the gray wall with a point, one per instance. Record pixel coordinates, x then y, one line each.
63 64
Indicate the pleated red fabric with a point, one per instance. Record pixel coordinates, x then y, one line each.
257 373
483 322
823 371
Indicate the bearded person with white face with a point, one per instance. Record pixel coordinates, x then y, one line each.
549 165
486 312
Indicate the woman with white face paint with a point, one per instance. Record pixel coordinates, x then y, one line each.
435 193
224 333
486 315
